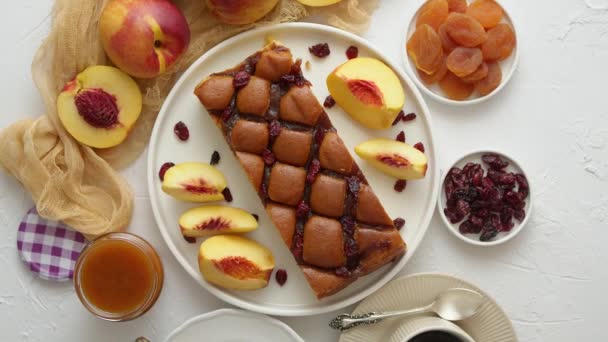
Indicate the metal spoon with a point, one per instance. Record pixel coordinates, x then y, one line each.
452 305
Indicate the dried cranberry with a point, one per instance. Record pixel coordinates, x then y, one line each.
449 187
399 222
268 157
463 208
476 221
506 226
465 227
513 199
506 179
241 79
320 50
163 170
263 191
281 276
274 129
506 214
348 225
399 118
419 146
409 117
215 158
400 185
298 245
477 178
319 136
226 114
329 102
181 131
342 272
190 239
287 80
453 216
303 210
352 52
519 215
313 170
256 217
494 161
353 185
522 182
488 235
401 137
227 195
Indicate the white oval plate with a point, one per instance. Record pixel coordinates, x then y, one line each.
231 325
473 239
508 66
416 204
489 324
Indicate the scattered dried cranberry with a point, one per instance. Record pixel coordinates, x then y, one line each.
348 225
319 136
400 185
401 137
329 102
281 276
190 239
256 217
409 117
352 52
226 114
350 248
163 170
419 146
298 244
241 79
399 222
353 185
303 210
215 158
182 131
313 170
274 129
268 157
399 118
320 50
227 195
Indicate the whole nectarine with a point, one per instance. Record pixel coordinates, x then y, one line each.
143 37
240 12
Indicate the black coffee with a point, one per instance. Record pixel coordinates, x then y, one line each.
435 336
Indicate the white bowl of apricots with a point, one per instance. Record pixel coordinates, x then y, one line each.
461 52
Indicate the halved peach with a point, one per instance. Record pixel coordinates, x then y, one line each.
368 90
194 182
99 106
214 220
394 158
234 262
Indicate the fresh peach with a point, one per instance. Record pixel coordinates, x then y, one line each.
143 37
194 182
99 106
318 3
368 90
240 12
214 220
394 158
234 262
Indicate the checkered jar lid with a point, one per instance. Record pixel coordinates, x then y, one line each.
50 248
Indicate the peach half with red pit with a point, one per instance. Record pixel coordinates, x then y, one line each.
368 90
144 38
235 262
394 158
99 106
215 220
194 182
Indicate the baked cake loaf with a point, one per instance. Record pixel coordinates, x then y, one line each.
314 192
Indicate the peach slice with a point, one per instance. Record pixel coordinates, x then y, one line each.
318 3
234 262
368 90
99 106
394 158
194 182
214 220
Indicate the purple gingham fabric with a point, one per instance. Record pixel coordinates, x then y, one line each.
50 248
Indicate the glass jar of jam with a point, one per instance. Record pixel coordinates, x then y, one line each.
118 277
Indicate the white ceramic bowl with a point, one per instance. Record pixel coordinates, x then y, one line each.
413 327
508 66
473 239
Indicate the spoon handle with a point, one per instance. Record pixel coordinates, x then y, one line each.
345 321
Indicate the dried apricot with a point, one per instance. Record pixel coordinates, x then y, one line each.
491 81
424 48
487 12
447 43
465 30
464 61
500 43
433 13
436 76
477 75
454 88
459 6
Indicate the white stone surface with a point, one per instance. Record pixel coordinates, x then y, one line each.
553 117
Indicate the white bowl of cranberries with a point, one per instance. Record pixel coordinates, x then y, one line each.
485 198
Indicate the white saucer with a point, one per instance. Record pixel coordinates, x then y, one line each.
231 325
490 324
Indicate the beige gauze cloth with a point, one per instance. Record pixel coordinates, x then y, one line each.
79 185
